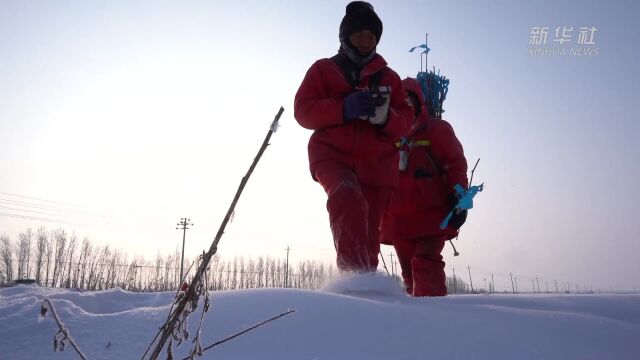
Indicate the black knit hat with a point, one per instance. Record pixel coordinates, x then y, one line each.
360 16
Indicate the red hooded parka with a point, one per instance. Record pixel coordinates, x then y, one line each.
435 164
367 149
355 162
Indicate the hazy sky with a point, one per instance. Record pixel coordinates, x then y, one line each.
128 115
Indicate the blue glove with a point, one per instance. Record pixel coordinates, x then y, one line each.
357 104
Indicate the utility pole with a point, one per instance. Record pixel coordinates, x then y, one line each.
493 285
455 287
183 224
393 272
286 271
513 288
470 280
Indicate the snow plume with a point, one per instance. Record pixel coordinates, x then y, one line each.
375 284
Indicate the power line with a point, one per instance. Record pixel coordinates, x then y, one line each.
27 210
26 217
62 220
34 205
63 213
37 199
55 214
61 207
53 208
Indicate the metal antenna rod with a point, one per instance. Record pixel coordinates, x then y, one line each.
472 171
426 45
455 252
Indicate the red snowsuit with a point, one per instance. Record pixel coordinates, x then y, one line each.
355 162
436 163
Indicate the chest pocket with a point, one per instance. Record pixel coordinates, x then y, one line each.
424 164
428 177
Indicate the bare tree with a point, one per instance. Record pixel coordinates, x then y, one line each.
60 238
138 273
212 271
6 252
131 275
85 253
157 281
117 275
71 249
23 252
260 272
220 285
279 272
177 280
41 248
115 269
250 278
168 263
242 273
97 267
48 259
271 269
456 285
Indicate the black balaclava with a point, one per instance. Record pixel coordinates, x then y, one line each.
359 16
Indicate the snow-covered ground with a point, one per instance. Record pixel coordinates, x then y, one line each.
361 317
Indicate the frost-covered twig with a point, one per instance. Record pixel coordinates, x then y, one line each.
184 276
184 306
181 332
197 347
241 333
62 335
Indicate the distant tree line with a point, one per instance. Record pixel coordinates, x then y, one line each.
56 258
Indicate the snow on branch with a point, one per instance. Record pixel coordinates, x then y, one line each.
175 326
190 357
62 336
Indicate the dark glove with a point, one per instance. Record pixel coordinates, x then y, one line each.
458 218
358 103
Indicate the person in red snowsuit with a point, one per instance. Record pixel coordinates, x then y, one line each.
426 194
358 109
